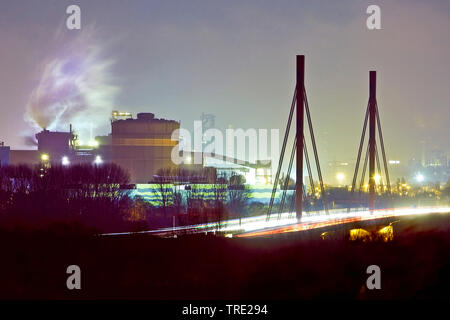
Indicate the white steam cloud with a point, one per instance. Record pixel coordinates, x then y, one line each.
74 88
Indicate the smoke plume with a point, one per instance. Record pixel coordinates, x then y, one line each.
74 88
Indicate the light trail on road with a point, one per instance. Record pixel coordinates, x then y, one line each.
321 221
259 226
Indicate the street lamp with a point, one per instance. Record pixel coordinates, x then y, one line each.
45 164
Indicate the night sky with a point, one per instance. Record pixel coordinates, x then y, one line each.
236 59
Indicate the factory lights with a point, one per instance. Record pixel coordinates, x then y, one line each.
45 157
98 160
91 143
65 161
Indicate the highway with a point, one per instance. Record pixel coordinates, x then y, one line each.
287 222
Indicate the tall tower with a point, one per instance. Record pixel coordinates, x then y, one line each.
372 136
299 133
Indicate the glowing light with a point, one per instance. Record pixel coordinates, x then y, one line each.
387 233
65 161
45 157
359 234
420 177
324 235
188 159
377 178
98 160
260 226
93 143
340 177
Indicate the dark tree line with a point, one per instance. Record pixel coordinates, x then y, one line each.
92 196
96 198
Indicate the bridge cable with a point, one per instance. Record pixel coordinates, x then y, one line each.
386 171
280 162
358 159
291 161
363 175
316 156
286 180
377 158
308 165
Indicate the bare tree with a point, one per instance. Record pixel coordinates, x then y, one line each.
164 181
219 187
238 194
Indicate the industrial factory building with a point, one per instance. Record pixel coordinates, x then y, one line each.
56 145
142 146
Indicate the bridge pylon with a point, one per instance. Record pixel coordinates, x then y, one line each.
299 150
375 177
299 135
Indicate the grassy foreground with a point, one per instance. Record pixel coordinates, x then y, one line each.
416 264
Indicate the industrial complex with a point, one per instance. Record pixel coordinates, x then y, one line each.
142 146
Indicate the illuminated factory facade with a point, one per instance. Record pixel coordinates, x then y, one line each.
55 145
142 146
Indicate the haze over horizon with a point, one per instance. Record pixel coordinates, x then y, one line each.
236 60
